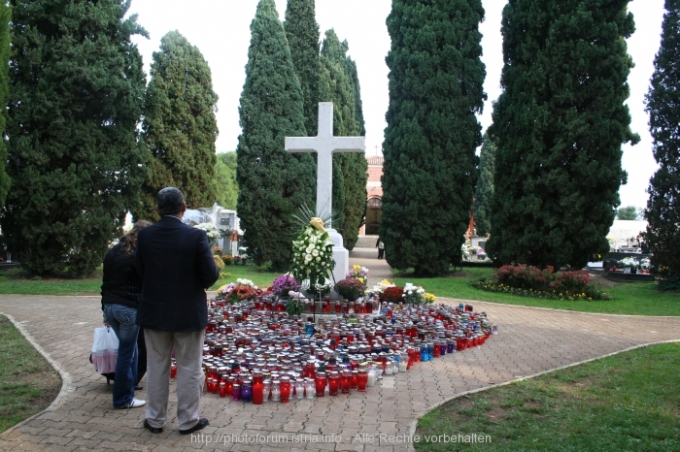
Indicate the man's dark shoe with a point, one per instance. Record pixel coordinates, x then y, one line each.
200 425
152 429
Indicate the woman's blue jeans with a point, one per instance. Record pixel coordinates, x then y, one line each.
122 320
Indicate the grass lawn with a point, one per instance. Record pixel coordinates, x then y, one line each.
628 402
15 282
628 298
28 384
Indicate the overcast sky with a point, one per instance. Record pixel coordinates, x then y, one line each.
221 30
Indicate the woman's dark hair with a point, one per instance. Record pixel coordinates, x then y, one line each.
169 201
129 241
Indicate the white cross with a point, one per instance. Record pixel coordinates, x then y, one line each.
325 144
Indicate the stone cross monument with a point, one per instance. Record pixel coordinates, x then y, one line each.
325 144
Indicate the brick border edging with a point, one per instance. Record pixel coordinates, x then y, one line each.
65 376
556 309
414 423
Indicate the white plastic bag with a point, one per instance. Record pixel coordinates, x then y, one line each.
104 350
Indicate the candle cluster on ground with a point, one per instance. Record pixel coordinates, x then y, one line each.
255 353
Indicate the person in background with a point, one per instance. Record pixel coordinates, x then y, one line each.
176 265
644 247
120 291
381 248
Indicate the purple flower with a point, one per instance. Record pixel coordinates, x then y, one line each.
283 284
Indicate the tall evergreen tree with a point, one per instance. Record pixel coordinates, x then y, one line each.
302 33
627 213
5 16
663 206
436 79
76 95
338 85
179 127
559 126
273 183
226 187
481 206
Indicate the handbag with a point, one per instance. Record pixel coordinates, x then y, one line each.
104 350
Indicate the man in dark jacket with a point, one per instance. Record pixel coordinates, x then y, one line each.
176 266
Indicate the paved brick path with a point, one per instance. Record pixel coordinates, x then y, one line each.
530 341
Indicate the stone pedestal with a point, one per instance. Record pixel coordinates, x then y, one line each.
340 255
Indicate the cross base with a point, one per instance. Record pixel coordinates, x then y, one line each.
340 256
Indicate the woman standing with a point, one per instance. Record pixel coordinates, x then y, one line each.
120 290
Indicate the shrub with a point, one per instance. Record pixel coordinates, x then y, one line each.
524 277
571 282
531 281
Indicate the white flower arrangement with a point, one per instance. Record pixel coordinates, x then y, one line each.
645 263
379 288
313 255
246 282
413 294
212 232
628 262
318 288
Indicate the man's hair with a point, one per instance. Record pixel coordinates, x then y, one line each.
169 201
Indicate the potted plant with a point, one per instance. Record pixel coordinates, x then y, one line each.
393 294
284 284
350 288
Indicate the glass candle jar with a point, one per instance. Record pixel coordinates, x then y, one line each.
333 383
258 391
173 369
223 389
309 388
266 390
247 391
372 376
403 362
345 382
320 383
286 389
276 391
354 379
299 388
236 392
362 380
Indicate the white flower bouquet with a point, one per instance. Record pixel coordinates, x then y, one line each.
313 255
627 262
210 229
413 294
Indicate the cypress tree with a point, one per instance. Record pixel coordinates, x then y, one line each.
338 85
481 206
226 186
273 183
302 33
559 126
179 127
76 95
436 79
663 205
5 15
627 213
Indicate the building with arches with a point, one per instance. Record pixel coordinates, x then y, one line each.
374 194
